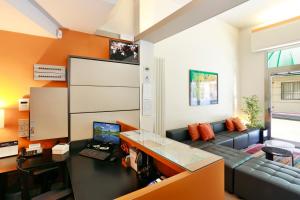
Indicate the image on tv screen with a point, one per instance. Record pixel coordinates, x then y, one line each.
106 132
124 51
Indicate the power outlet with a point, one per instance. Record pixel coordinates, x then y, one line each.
23 127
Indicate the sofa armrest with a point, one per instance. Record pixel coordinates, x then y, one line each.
179 135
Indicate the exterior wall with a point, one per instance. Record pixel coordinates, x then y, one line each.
279 105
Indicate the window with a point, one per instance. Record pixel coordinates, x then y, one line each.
290 90
284 57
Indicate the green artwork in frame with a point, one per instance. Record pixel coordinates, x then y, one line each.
203 88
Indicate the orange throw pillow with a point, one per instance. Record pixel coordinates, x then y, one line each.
239 125
206 132
230 124
194 132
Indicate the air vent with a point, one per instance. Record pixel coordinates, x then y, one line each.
49 73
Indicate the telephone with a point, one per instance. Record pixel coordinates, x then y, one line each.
29 153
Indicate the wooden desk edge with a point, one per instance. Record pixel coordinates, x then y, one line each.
193 180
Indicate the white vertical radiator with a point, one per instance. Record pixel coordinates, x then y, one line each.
159 121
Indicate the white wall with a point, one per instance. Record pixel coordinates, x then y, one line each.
210 46
251 70
153 11
277 36
286 106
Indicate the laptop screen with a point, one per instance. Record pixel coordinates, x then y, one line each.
106 132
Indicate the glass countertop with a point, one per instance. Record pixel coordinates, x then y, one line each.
188 157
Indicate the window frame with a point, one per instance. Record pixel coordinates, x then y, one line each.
292 92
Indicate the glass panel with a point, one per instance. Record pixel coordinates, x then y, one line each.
285 57
181 154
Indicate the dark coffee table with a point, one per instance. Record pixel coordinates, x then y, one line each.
274 151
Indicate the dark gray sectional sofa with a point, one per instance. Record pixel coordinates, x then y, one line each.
233 158
248 177
263 179
236 140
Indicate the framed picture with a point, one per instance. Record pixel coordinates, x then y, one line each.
124 51
203 88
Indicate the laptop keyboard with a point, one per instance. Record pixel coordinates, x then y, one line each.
92 153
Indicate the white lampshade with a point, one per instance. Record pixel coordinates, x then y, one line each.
1 118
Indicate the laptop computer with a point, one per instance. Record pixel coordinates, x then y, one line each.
105 137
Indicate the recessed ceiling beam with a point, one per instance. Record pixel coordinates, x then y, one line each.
189 15
38 15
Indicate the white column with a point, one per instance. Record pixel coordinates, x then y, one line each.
147 61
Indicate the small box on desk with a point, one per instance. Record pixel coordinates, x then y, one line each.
60 149
8 149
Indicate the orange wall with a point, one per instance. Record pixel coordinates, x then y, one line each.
18 54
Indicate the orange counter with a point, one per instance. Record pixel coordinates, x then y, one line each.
199 175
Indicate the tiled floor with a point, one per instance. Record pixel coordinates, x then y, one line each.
286 130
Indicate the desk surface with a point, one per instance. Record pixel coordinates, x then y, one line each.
96 179
90 178
9 164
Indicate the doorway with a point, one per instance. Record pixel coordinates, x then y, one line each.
285 106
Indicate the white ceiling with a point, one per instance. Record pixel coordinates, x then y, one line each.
117 16
12 20
122 18
153 11
261 12
85 16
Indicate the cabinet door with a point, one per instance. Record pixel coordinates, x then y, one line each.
103 73
103 99
48 113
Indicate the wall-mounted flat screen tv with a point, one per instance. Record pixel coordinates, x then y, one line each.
124 51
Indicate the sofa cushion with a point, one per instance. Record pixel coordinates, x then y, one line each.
206 132
254 136
229 125
239 126
218 126
188 142
180 134
200 144
226 133
233 158
222 140
240 140
194 132
264 179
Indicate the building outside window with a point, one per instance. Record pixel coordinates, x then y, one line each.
290 90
